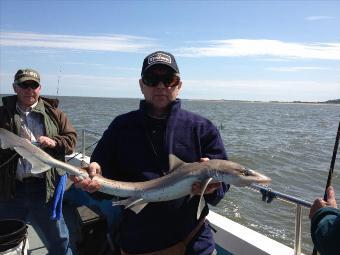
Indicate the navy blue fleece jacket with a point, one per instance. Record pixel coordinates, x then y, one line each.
125 153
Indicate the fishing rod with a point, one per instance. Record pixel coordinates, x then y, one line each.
58 82
330 172
331 169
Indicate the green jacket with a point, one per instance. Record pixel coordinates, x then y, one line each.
57 126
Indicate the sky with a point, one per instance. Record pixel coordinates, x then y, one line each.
233 50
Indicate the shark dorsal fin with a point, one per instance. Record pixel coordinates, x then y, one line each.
175 162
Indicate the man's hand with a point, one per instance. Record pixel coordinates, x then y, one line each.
320 203
46 142
196 188
89 184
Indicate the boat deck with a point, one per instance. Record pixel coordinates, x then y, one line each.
37 245
78 233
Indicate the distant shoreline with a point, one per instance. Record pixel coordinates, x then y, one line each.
336 101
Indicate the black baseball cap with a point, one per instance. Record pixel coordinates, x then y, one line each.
26 75
159 58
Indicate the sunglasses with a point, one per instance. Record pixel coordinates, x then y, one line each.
26 85
169 80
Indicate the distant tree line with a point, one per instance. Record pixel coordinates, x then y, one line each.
335 101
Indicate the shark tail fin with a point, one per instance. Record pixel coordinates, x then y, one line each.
25 148
37 165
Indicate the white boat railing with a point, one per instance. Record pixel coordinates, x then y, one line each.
267 195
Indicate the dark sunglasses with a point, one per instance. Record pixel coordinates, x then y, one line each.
26 85
169 80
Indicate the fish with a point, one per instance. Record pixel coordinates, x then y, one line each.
176 184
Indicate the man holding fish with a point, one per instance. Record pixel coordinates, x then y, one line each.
23 194
136 148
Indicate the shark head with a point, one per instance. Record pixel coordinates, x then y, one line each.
236 174
221 170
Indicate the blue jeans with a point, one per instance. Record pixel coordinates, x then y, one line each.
29 205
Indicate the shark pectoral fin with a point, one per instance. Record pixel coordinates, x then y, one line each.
138 207
127 202
201 203
37 165
175 162
132 203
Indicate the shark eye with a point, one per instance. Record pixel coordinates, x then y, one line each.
246 172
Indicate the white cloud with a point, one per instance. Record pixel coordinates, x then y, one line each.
259 84
313 18
102 66
262 90
296 68
117 43
269 49
97 79
264 48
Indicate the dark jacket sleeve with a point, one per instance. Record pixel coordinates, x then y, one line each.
325 230
103 154
67 137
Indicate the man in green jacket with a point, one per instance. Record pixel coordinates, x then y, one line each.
35 197
325 224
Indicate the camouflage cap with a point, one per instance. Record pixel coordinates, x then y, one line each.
26 75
